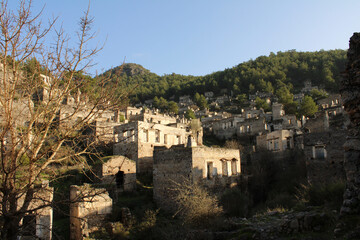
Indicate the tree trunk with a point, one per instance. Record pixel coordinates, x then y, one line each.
11 228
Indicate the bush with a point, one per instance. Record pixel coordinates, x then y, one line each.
195 205
235 203
327 195
280 200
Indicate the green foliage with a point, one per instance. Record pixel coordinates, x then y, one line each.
242 98
284 95
235 203
327 195
190 114
275 181
173 107
122 118
308 107
260 103
200 101
288 69
318 94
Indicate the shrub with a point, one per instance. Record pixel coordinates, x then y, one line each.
327 195
195 205
235 203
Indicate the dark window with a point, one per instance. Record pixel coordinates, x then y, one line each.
120 179
210 169
29 225
233 167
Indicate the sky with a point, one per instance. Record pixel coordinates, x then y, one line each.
199 37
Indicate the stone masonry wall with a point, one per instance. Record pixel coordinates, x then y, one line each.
88 210
107 172
170 166
350 92
177 164
330 168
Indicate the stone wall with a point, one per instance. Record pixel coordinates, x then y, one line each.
319 123
226 128
251 126
279 140
350 92
43 212
225 163
210 167
119 171
326 167
170 166
136 140
88 210
277 111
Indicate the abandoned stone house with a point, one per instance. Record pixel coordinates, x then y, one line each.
185 100
277 111
308 87
131 111
251 126
38 220
209 120
136 140
333 100
323 143
332 104
209 95
100 131
279 140
210 167
252 113
89 208
20 112
146 115
226 128
289 122
221 100
118 171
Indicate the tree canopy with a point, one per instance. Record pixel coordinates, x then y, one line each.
269 74
308 107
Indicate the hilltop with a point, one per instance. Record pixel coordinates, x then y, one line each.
288 69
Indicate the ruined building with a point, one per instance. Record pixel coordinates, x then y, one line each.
279 140
211 167
38 220
136 140
322 141
118 171
89 208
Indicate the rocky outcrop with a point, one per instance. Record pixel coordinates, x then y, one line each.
350 91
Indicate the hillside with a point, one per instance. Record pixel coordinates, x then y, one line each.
266 73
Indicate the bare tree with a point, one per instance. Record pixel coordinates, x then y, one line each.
36 129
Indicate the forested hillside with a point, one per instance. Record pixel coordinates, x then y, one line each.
284 70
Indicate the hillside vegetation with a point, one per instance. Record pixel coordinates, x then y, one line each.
287 70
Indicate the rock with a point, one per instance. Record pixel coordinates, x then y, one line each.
294 225
345 210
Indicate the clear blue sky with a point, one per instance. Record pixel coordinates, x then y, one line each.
198 37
